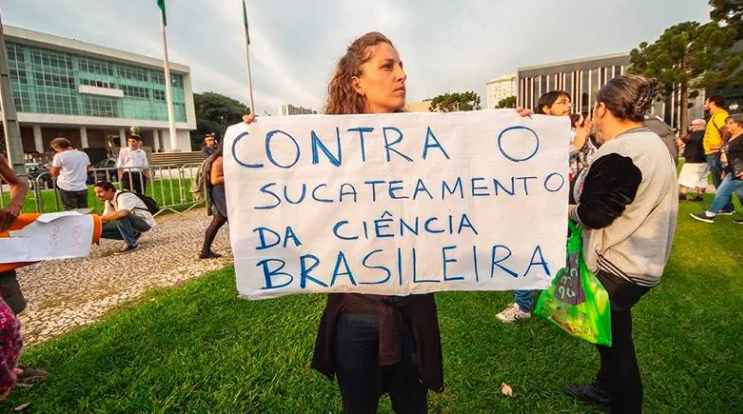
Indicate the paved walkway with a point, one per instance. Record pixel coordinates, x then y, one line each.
65 295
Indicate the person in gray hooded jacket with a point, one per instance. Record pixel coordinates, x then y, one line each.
627 201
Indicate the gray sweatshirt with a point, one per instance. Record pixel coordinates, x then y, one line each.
627 202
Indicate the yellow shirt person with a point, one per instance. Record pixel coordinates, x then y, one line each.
712 137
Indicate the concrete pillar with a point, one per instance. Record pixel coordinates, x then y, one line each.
38 139
166 142
84 137
155 140
122 136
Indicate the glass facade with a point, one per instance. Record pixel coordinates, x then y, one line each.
46 81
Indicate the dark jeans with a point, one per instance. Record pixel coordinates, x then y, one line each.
127 229
362 381
11 291
619 375
73 200
715 168
134 181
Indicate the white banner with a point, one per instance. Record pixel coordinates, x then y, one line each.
53 236
397 204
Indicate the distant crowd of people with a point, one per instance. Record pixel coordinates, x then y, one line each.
713 148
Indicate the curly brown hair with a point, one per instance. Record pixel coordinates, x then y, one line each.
342 98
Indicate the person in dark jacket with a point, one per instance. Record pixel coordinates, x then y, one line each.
695 171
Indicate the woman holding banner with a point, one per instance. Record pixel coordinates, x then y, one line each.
376 344
626 200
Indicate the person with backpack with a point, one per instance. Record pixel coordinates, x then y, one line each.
216 201
127 215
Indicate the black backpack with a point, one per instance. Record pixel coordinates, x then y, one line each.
148 201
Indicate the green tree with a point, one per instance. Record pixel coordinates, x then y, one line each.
729 12
450 102
214 113
509 102
691 57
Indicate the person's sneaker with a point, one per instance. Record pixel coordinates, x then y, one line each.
512 313
726 212
29 376
738 221
704 217
127 250
588 393
210 255
682 197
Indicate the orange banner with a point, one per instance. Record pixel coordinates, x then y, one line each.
25 219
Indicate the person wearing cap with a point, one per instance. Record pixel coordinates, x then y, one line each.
133 165
210 145
695 170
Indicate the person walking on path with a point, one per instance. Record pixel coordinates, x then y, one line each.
715 136
216 204
732 182
695 170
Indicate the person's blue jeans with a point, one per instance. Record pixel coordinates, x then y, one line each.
125 229
715 168
725 193
525 299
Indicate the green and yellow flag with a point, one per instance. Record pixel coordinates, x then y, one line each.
161 5
245 22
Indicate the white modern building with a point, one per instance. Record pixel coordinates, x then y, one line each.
92 94
289 109
583 78
501 88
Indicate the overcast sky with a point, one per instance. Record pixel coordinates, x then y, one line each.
446 45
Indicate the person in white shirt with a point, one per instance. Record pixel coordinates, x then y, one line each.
125 217
70 167
133 165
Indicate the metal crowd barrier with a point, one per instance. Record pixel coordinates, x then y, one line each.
170 185
34 194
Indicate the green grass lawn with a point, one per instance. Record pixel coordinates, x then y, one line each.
165 192
200 349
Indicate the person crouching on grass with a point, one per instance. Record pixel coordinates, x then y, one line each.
125 217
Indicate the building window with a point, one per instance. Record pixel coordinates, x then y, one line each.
97 83
135 92
96 67
568 87
158 95
133 73
100 107
54 81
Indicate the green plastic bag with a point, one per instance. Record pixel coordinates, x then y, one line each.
577 302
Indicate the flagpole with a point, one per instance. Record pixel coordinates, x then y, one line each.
168 87
247 51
